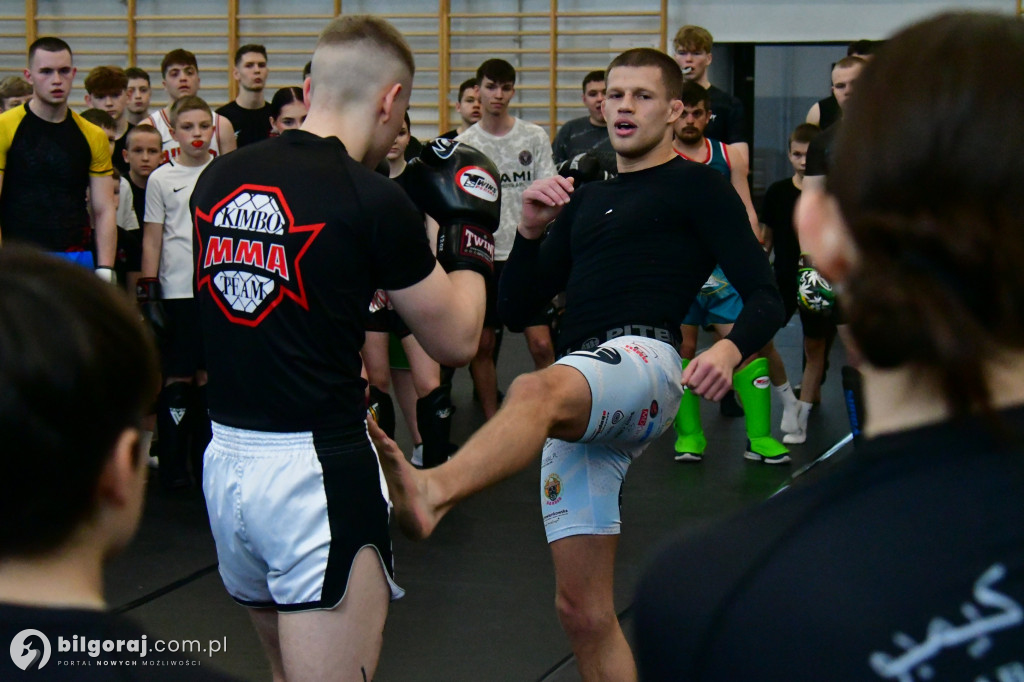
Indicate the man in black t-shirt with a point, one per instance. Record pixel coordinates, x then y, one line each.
74 479
467 106
249 113
587 134
292 238
631 254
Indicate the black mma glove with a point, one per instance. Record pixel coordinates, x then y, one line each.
582 168
458 186
150 297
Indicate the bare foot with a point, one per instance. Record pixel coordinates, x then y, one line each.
417 517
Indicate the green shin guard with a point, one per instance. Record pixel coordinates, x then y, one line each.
690 440
754 389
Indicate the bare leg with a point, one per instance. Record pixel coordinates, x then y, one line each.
776 368
485 375
405 392
344 643
554 402
814 350
538 340
265 622
584 568
376 360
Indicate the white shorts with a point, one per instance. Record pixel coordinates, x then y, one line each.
635 387
290 511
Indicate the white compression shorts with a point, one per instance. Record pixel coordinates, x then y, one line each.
635 387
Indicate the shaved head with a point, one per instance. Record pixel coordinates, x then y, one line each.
355 57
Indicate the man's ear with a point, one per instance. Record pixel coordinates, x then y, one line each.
387 104
88 100
675 110
824 235
122 469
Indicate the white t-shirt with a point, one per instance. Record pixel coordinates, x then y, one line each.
126 218
522 155
167 195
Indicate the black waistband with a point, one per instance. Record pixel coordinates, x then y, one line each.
669 336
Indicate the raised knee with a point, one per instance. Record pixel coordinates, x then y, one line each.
529 387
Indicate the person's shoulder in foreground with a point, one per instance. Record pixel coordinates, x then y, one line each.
905 561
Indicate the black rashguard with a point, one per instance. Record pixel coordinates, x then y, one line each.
636 249
906 563
727 120
777 214
292 238
819 151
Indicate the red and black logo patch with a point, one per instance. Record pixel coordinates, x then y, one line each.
250 251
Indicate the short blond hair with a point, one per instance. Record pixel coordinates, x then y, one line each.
693 38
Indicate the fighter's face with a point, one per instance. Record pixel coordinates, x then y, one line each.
495 96
593 98
51 74
401 142
193 130
692 122
694 62
292 116
637 110
798 156
251 71
842 83
138 95
113 104
181 80
468 105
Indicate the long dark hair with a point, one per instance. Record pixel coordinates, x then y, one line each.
928 172
283 98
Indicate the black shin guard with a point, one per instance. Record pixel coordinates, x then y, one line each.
854 397
434 419
383 410
201 433
173 417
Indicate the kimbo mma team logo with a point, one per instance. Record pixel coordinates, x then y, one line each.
30 650
250 251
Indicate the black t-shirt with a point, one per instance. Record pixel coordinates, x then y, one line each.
636 249
58 632
251 125
828 111
777 213
580 135
727 122
906 563
819 151
293 237
118 156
